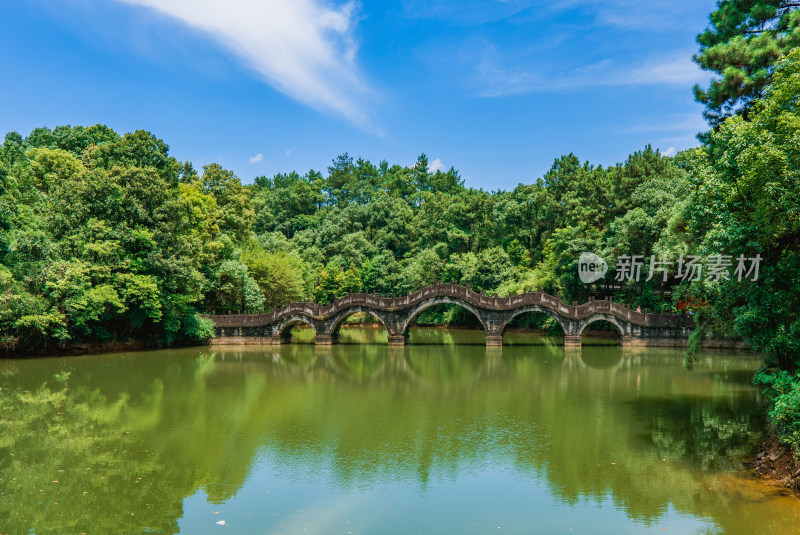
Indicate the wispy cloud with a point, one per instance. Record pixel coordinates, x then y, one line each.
255 159
672 151
679 69
469 12
664 15
633 14
682 123
319 516
303 48
495 80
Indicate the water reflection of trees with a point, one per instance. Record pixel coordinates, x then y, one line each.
140 437
70 465
709 432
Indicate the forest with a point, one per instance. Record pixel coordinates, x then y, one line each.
106 236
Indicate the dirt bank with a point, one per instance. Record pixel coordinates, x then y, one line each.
776 461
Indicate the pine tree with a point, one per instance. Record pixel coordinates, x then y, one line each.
743 42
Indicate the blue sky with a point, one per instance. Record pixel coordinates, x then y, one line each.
496 88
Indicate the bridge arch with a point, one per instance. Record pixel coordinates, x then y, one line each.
284 328
440 300
623 329
537 308
336 322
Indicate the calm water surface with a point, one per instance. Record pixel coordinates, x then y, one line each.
365 439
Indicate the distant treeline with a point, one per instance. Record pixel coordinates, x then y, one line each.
108 237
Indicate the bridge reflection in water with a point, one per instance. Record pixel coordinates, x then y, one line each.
432 364
397 314
601 439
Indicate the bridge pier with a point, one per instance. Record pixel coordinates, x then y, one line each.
625 341
326 339
280 339
398 339
572 340
494 340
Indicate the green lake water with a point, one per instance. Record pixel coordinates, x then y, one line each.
441 436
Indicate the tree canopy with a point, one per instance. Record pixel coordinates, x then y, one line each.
107 237
745 199
741 45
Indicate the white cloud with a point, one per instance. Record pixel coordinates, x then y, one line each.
635 14
303 48
672 151
492 79
678 70
255 159
436 165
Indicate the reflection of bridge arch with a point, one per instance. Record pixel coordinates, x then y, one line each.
397 366
607 358
397 313
394 364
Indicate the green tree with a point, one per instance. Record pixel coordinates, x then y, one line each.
522 216
105 246
234 288
744 202
382 274
742 44
281 276
287 203
579 193
235 214
558 272
334 281
484 271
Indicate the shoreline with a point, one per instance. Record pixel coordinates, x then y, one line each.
88 348
776 462
76 350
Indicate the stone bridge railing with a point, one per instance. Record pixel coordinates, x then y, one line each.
494 313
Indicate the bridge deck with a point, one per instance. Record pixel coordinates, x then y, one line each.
455 292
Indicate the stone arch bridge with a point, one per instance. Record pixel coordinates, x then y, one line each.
397 314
